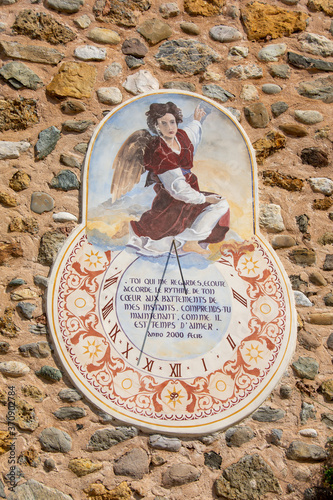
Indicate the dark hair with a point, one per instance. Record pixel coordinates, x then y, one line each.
157 110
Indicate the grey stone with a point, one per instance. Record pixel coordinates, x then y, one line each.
190 28
26 309
103 35
124 13
64 217
55 440
316 278
81 147
65 180
270 218
140 82
321 185
303 62
268 414
68 6
275 436
330 341
308 341
278 108
135 464
248 479
321 88
82 22
4 348
35 350
308 433
19 75
237 53
70 413
164 443
41 281
17 282
225 34
213 460
134 47
271 53
306 367
133 62
38 329
304 452
327 418
49 464
328 263
13 369
316 44
47 141
301 299
103 439
15 476
112 70
286 391
33 53
69 161
257 115
49 373
280 71
72 107
154 30
271 88
188 57
2 490
179 474
90 53
33 490
69 395
77 126
283 241
169 10
216 92
309 117
249 92
10 150
302 222
244 72
180 85
41 202
236 436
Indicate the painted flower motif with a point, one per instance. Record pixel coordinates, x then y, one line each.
266 309
251 264
126 384
103 377
80 303
220 386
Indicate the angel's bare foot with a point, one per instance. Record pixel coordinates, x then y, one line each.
122 231
193 246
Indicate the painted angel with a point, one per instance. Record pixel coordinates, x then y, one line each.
179 210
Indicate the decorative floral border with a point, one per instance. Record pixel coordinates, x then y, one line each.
162 401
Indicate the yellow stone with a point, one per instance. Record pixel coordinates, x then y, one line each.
203 7
82 466
262 20
324 5
97 491
103 35
73 80
24 294
5 442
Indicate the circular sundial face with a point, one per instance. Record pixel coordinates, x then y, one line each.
167 307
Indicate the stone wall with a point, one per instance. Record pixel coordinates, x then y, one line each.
65 63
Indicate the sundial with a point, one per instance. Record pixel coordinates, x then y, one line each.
167 307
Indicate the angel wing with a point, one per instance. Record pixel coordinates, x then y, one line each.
128 165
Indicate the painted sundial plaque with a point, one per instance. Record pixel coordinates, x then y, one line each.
167 307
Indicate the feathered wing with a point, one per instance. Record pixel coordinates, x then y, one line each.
128 165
